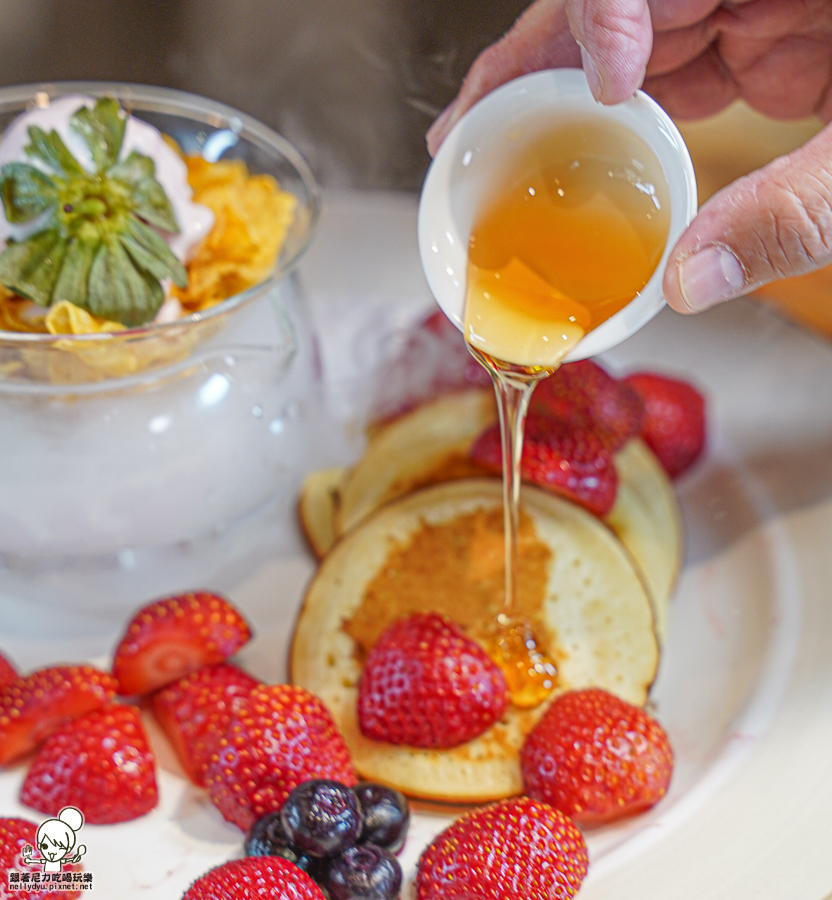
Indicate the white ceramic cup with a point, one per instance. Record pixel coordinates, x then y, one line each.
473 161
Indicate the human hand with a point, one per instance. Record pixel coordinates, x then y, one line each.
695 57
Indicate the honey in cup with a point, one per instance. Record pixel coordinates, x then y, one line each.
567 241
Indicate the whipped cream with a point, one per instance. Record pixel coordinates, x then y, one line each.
195 220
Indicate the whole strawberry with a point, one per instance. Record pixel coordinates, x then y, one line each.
8 673
194 713
170 638
426 684
519 848
583 394
15 834
561 457
101 763
279 736
31 708
596 758
674 419
255 878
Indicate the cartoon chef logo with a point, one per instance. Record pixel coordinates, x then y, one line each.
56 842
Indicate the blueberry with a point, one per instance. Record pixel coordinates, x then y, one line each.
266 837
364 872
321 818
386 815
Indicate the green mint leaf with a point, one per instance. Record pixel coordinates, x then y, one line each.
49 148
120 291
150 252
30 268
74 276
102 127
26 192
149 201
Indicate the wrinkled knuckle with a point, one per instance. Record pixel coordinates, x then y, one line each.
793 233
801 214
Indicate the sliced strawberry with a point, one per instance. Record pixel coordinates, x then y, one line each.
279 736
170 638
15 834
101 763
194 713
562 457
8 673
31 708
426 684
583 394
674 419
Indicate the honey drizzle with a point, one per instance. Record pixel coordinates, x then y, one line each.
529 672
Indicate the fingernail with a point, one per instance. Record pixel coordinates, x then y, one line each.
711 276
437 132
593 77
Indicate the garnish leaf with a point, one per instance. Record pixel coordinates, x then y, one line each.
120 291
49 148
74 276
97 248
138 173
26 192
150 252
31 267
102 127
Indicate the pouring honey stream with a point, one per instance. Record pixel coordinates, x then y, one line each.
570 239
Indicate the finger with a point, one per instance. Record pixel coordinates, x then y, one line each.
768 19
675 49
774 223
540 39
785 79
668 15
615 37
701 88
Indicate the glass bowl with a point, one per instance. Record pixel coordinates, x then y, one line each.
155 459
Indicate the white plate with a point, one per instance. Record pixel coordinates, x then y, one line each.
746 684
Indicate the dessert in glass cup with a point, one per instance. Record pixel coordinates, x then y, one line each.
156 367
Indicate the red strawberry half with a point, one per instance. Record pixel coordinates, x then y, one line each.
518 848
15 834
562 457
101 763
585 395
255 878
194 713
278 736
8 673
172 637
426 684
674 419
31 708
596 758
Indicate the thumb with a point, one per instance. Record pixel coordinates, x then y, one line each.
615 37
774 223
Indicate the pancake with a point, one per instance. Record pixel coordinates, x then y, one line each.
430 445
440 548
318 507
